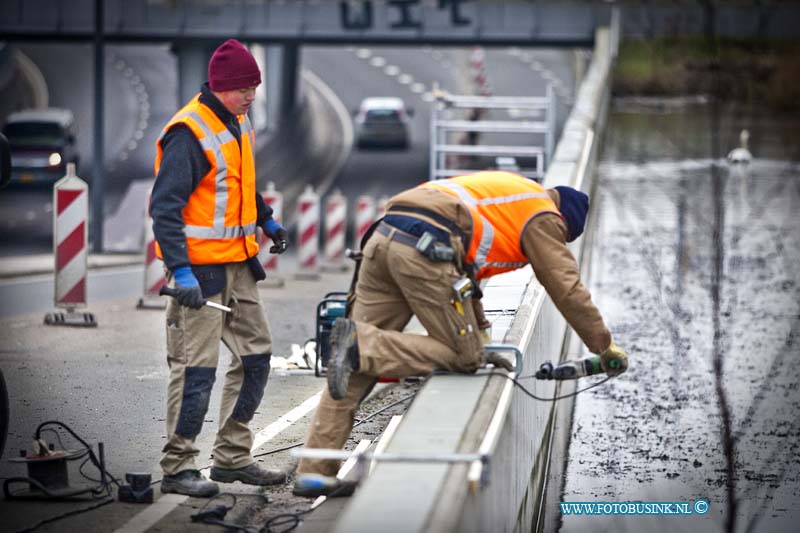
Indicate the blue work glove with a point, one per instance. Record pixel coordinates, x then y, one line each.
278 234
189 293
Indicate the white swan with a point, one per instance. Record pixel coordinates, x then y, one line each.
741 155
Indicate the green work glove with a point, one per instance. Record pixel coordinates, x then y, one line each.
614 360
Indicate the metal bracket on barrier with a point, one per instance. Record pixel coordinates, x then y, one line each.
508 348
388 457
363 458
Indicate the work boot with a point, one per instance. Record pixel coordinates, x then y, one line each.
314 485
249 475
189 483
344 357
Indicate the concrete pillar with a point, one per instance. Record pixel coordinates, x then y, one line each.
282 81
290 79
272 81
192 69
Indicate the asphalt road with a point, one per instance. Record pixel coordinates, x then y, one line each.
108 383
410 73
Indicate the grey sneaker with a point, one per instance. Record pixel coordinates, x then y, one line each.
249 475
314 485
343 351
189 483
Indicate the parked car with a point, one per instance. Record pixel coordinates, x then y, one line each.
42 142
382 121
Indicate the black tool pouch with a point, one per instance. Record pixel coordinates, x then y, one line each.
256 268
211 278
437 252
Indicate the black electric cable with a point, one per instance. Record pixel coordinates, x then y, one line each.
65 515
365 419
58 437
554 398
291 519
92 456
104 486
517 383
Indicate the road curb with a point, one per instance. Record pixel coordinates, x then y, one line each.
23 266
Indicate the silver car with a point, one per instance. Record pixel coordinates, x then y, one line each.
382 121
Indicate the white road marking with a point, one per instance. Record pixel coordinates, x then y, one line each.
164 505
152 514
269 432
345 469
377 61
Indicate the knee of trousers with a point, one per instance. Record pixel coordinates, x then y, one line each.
256 372
197 385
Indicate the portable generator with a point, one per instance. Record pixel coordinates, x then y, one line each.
332 306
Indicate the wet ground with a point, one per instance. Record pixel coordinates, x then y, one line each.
695 270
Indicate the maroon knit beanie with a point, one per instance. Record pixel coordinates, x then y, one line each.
232 67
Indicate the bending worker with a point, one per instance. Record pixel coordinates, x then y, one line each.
433 239
205 210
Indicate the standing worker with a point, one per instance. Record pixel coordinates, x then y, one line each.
435 244
205 210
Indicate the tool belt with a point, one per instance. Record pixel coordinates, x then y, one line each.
417 229
427 244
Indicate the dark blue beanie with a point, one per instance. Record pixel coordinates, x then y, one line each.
574 206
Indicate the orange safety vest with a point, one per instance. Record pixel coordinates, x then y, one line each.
501 204
220 215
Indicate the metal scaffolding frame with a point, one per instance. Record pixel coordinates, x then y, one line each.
448 118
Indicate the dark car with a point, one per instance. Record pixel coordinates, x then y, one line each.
42 142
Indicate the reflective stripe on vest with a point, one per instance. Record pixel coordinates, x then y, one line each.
495 245
199 237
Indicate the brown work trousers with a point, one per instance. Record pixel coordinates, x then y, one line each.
193 338
395 282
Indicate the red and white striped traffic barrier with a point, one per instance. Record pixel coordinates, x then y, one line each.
154 277
335 227
308 215
365 215
274 199
70 237
380 210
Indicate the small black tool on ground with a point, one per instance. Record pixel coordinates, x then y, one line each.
138 489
